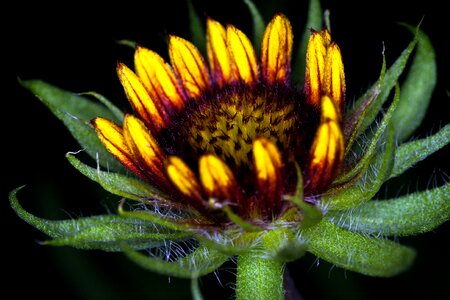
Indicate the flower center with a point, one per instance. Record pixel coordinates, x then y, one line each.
225 122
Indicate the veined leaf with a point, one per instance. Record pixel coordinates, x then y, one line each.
411 214
356 252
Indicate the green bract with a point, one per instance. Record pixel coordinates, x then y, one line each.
348 228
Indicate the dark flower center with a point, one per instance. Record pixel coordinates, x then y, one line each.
226 121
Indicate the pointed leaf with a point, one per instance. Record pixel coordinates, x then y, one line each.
360 253
118 184
416 89
76 112
199 263
411 214
410 153
102 232
196 28
118 114
313 21
258 24
385 86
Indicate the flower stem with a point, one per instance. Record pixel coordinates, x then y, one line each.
259 278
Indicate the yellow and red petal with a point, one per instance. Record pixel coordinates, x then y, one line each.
316 53
267 162
145 106
242 54
183 178
144 149
334 77
276 50
327 150
158 78
189 66
111 135
222 68
216 177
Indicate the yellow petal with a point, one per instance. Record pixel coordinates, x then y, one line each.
189 66
218 55
243 54
183 178
147 109
216 178
110 134
267 162
334 77
158 78
327 149
315 67
144 148
277 49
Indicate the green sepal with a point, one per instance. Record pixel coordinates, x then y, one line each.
282 245
236 219
196 29
384 86
102 232
117 112
411 214
232 241
410 153
199 263
313 21
374 143
76 112
367 183
416 89
356 252
129 43
118 184
258 24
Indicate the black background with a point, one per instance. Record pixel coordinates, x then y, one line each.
73 45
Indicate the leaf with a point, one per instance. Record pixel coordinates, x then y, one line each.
356 252
258 24
411 214
196 28
118 184
314 21
98 232
118 114
385 86
410 153
416 89
199 263
76 112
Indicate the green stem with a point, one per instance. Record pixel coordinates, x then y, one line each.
259 278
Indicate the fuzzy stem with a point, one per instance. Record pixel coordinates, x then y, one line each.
259 278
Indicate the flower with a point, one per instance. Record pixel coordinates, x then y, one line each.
231 134
232 159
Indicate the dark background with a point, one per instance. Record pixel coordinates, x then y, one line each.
73 45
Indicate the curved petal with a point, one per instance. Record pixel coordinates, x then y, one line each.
334 77
147 109
242 54
111 135
277 49
222 69
159 78
144 149
189 66
183 178
216 177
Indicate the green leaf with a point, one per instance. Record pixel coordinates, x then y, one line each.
118 184
258 24
416 89
199 263
102 232
410 153
196 28
385 86
411 214
118 114
314 21
356 252
367 183
76 112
